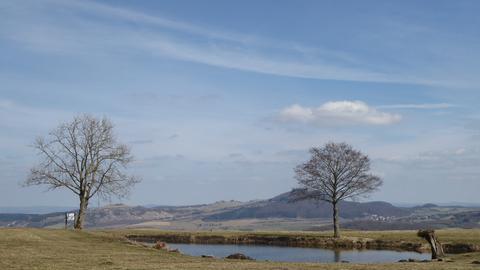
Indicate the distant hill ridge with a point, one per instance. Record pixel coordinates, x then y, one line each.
365 215
281 207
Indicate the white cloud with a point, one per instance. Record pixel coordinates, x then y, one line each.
339 113
453 163
424 106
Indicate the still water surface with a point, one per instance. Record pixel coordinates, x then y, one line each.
296 254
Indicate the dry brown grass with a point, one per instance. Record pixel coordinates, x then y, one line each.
59 249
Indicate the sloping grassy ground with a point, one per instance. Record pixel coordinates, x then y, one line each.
59 249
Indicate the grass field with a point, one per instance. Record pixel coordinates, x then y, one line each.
59 249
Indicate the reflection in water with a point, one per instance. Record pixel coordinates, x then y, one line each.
336 253
295 254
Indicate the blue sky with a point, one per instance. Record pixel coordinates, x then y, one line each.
219 100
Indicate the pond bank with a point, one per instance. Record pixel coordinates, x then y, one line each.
292 240
281 240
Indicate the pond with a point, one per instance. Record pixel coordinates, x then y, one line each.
298 254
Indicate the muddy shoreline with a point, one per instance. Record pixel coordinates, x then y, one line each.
290 241
298 241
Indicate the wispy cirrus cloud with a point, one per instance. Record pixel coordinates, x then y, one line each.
423 106
338 113
61 26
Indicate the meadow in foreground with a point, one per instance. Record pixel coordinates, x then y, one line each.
60 249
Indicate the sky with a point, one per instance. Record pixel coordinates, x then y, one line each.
220 100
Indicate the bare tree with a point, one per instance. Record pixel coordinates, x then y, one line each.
85 157
334 173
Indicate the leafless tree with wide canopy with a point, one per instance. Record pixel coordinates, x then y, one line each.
85 157
335 172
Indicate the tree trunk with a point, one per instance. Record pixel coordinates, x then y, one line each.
81 212
336 226
435 245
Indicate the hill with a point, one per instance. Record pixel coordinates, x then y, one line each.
281 207
275 213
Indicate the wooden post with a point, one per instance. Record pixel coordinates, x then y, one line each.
66 220
435 245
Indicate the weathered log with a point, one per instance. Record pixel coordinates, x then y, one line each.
435 245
